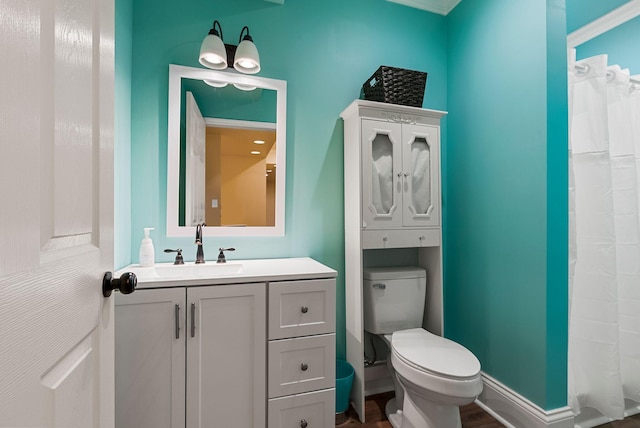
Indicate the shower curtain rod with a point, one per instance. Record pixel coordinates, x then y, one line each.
585 68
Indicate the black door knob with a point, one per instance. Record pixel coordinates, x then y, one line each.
126 284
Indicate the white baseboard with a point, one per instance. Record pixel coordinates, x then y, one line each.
515 411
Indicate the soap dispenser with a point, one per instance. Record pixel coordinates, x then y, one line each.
147 254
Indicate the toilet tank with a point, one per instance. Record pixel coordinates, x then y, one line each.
393 298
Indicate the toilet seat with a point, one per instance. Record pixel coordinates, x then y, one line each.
434 355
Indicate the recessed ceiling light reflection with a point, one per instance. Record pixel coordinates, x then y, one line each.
244 87
215 83
258 142
255 152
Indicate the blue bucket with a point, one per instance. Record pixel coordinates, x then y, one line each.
344 379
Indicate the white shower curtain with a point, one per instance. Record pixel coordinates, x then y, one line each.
604 226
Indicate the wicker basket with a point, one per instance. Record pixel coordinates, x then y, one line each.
396 86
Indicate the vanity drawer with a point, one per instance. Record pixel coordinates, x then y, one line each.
312 410
302 364
400 238
301 308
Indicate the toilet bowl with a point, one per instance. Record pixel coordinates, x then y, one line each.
437 375
432 375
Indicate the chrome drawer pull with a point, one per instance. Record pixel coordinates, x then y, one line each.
303 424
193 320
177 312
304 309
304 367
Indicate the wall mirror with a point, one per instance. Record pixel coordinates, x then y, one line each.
226 153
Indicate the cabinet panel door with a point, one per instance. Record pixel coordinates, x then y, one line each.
226 356
421 175
312 410
301 364
150 358
302 308
381 174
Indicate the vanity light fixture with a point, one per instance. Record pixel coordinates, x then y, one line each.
217 55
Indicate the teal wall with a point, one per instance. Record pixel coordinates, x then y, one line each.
122 125
497 67
620 43
582 12
506 192
325 51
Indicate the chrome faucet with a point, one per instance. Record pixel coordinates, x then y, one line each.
200 252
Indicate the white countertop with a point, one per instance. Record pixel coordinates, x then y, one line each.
232 272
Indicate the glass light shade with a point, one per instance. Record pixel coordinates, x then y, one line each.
213 53
247 59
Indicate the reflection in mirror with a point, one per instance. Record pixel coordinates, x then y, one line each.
226 153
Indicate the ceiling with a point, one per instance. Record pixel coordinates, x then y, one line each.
441 7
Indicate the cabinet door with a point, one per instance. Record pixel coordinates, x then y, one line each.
226 356
381 174
421 175
150 358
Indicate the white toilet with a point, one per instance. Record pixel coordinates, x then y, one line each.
432 375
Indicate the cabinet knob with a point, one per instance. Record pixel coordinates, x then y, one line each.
303 423
304 309
406 174
304 367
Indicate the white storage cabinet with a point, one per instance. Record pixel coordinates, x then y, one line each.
392 200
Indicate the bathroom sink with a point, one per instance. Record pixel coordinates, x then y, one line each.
188 271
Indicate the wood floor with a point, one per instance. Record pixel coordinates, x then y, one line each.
472 416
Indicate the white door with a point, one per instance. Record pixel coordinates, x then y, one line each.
421 175
381 174
196 141
150 358
56 213
226 356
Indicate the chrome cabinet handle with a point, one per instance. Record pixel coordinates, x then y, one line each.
304 367
303 424
193 320
304 309
177 312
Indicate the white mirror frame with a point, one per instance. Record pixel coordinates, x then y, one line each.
176 74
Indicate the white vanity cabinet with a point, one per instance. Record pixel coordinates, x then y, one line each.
392 201
203 343
302 349
150 358
194 352
226 358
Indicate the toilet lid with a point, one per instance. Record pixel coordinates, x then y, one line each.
434 354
